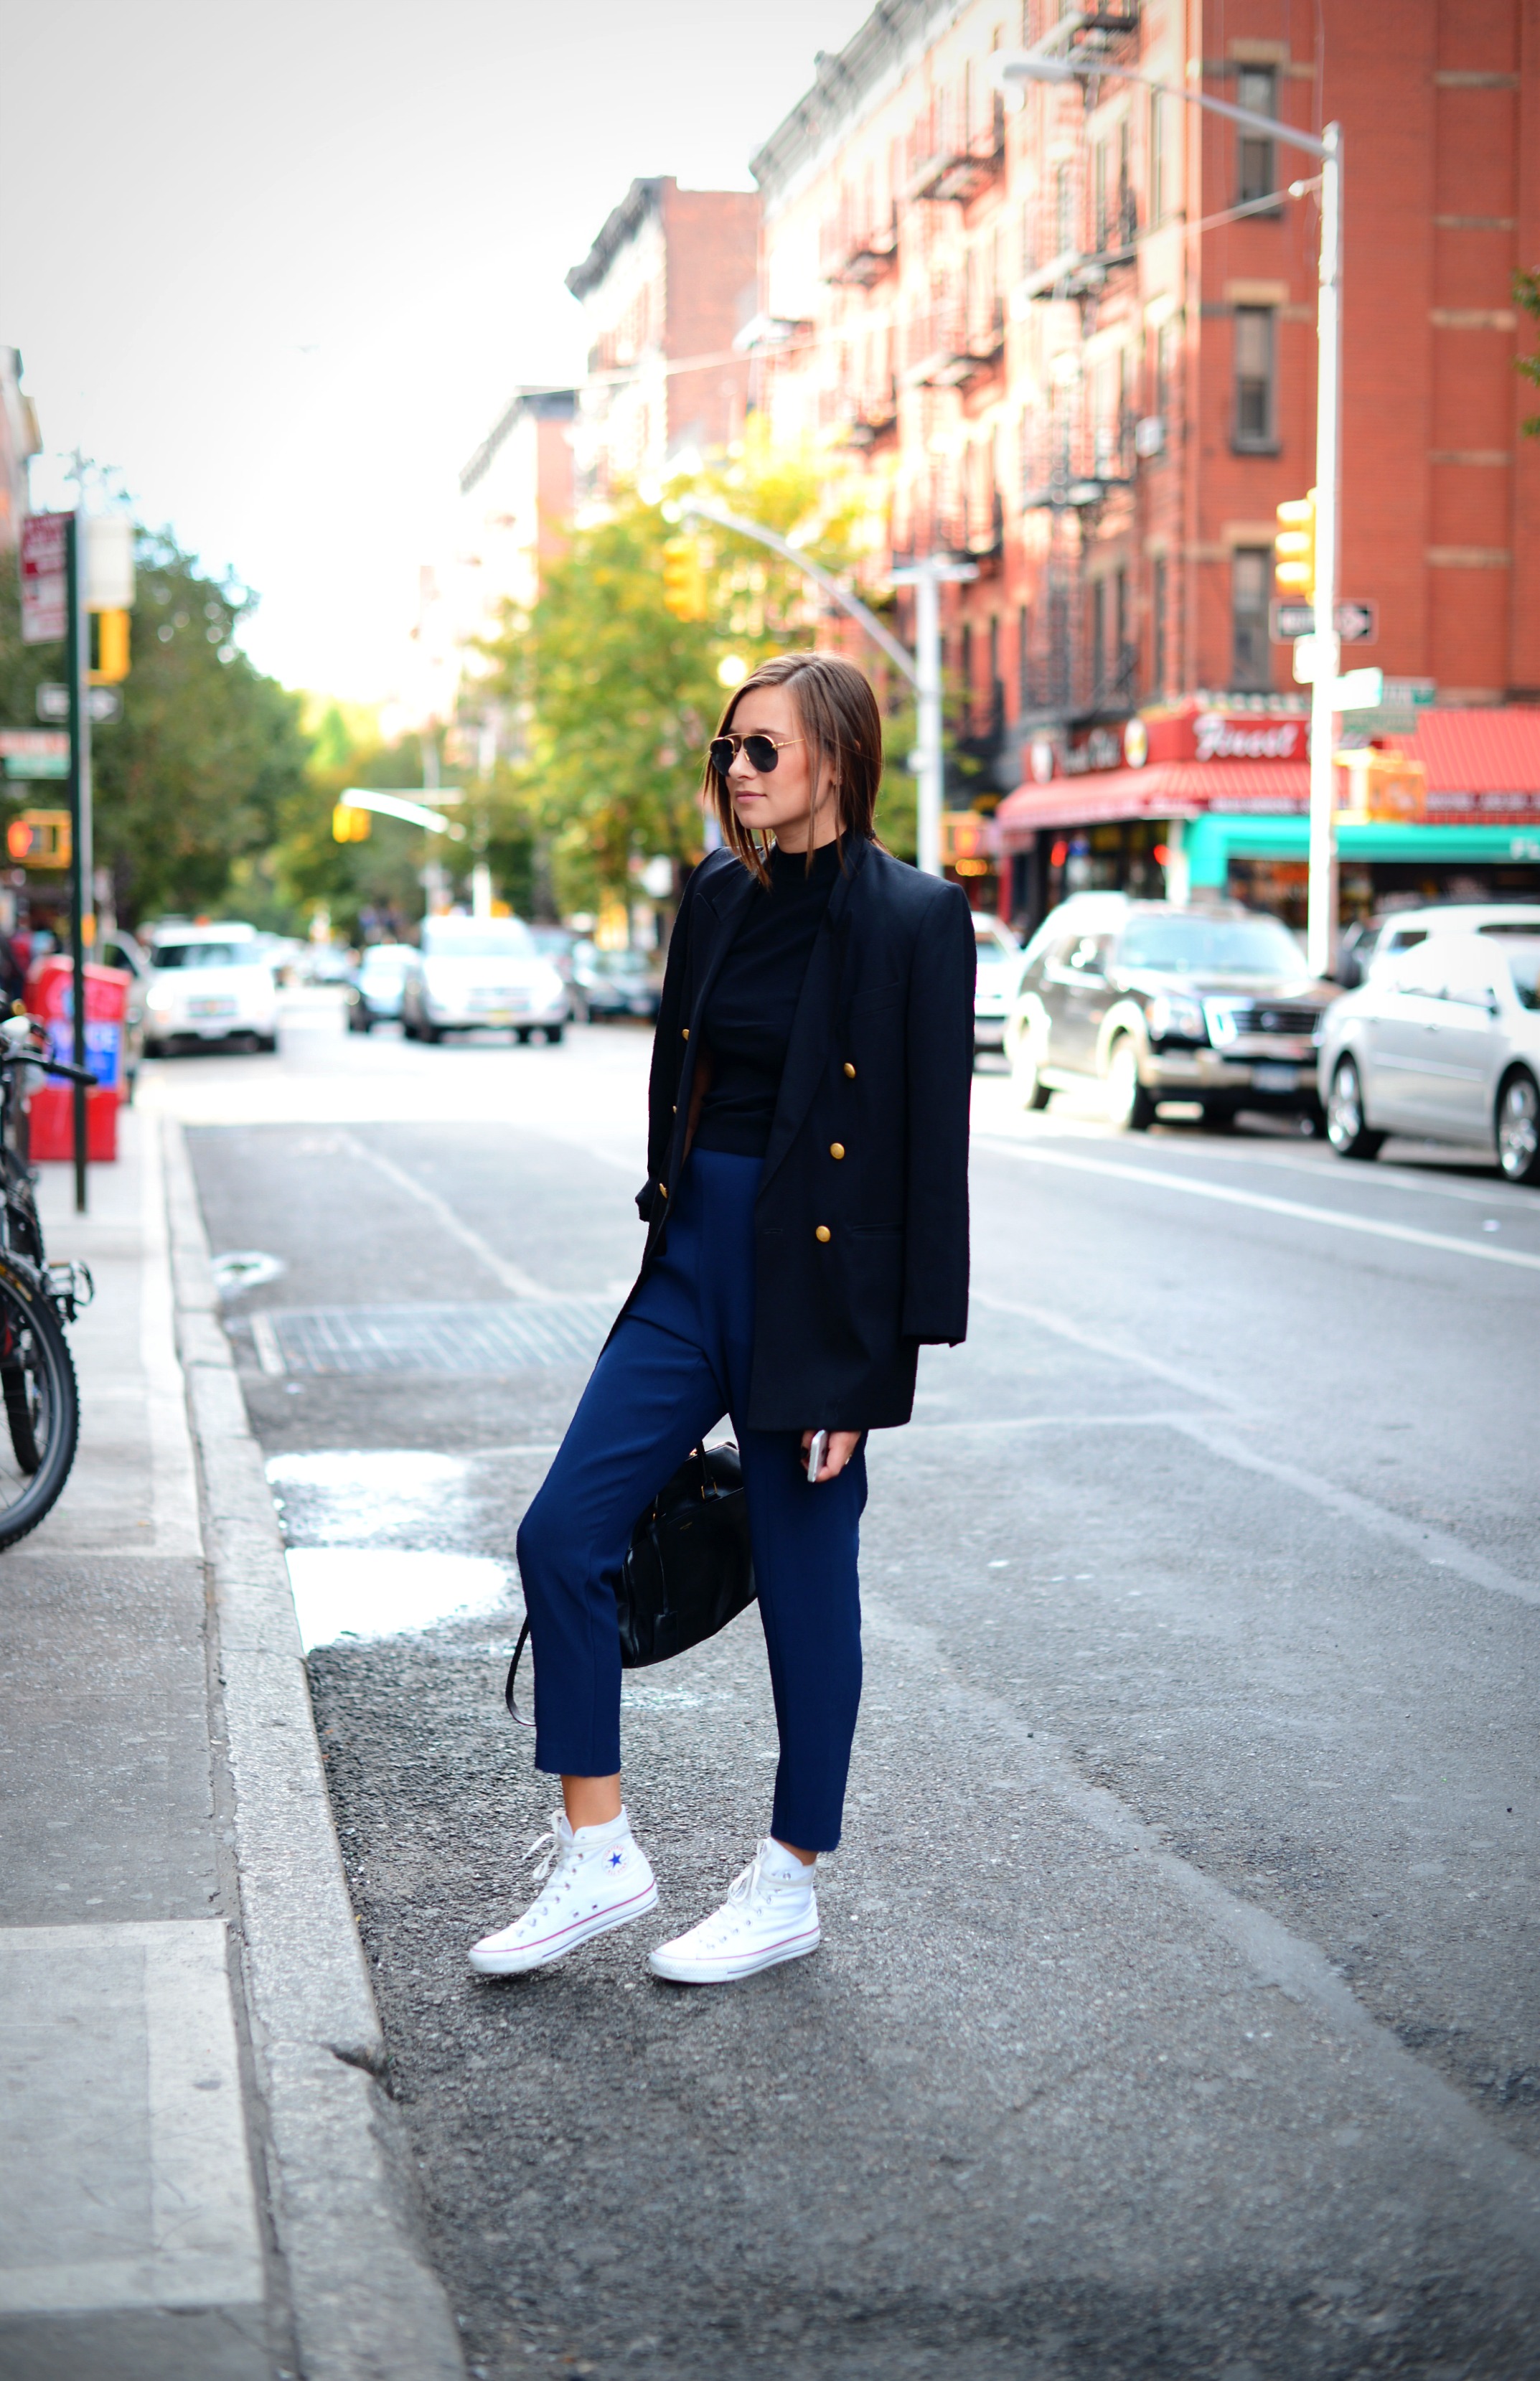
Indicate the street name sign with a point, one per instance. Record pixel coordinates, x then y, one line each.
104 703
45 578
34 752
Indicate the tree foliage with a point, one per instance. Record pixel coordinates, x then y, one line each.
1527 291
619 698
190 785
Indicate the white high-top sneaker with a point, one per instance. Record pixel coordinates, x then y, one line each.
595 1879
770 1914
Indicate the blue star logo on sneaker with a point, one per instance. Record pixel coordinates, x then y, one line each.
615 1859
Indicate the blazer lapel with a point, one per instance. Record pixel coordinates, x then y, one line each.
814 1023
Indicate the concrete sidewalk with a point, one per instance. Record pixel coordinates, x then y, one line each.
200 2175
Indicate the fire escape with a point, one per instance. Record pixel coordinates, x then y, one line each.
1077 460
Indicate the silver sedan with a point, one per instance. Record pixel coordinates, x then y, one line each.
1443 1043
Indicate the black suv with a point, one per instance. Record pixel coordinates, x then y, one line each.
1214 1004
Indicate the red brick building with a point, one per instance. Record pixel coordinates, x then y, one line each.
672 276
1075 337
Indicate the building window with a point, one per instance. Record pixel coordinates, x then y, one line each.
1254 371
1023 659
1122 652
996 686
1250 662
1157 625
1098 643
1064 216
1256 90
965 673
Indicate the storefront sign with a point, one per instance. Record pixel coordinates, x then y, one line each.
1216 738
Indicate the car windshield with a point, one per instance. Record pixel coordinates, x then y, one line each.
619 963
204 955
1524 964
1198 945
478 938
390 960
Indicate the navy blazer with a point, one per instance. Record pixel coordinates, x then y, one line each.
861 1225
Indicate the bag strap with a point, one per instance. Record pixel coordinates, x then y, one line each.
514 1712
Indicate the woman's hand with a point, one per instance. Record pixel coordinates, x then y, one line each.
837 1454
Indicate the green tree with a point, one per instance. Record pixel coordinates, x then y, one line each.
189 785
1527 291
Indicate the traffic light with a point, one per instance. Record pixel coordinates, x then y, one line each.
1294 548
350 824
111 648
684 580
40 839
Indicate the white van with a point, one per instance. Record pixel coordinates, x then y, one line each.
210 984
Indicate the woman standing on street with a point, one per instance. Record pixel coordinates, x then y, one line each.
807 1232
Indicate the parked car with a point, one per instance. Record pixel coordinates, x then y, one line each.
1373 940
613 984
556 944
209 984
378 984
1000 957
469 973
1214 1005
1442 1043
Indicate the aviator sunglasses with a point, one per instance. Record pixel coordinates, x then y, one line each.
763 752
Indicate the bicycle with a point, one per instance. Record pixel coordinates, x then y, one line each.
37 1299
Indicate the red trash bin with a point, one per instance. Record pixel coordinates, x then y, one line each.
50 1000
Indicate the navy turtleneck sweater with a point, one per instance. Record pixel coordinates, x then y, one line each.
747 1024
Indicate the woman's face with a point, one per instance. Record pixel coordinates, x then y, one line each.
779 804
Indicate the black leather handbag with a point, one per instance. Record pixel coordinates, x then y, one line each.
688 1570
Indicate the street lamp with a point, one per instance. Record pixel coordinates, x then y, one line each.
922 667
1015 67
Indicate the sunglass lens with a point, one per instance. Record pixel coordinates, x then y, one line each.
721 755
762 752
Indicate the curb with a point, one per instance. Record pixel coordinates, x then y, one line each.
366 2303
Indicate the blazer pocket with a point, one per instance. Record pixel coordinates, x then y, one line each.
883 995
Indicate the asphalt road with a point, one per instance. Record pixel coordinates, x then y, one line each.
1178 2011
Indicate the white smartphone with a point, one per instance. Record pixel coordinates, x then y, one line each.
815 1453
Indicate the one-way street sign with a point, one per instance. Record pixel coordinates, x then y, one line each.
1357 621
103 703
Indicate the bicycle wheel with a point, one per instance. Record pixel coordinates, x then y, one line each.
43 1407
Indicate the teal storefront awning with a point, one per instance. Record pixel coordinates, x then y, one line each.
1212 841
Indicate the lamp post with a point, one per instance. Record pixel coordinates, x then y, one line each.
922 667
1016 67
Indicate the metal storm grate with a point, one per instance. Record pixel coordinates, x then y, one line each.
492 1338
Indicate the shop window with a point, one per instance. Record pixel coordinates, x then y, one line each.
1257 91
1254 372
1250 657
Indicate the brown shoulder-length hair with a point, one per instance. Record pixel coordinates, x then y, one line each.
838 716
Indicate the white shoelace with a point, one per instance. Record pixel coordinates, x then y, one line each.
559 1852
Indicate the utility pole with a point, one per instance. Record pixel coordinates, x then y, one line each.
927 578
1321 915
78 671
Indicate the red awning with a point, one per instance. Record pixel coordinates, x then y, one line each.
1168 790
1475 752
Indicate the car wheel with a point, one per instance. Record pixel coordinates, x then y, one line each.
268 1041
1220 1115
426 1033
1031 1090
1346 1130
1519 1127
554 1033
521 1035
1129 1104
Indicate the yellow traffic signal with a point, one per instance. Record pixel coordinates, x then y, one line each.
1294 546
349 825
111 648
684 580
39 838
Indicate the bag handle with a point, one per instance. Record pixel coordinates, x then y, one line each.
514 1712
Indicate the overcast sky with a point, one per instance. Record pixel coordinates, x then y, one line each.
283 265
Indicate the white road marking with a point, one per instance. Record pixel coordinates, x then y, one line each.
1076 1332
513 1278
1294 1208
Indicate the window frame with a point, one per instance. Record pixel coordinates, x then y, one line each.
1265 157
1245 440
1261 680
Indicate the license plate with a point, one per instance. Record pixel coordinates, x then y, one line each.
1267 1078
496 1016
211 1007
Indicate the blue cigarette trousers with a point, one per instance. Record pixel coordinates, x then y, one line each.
675 1365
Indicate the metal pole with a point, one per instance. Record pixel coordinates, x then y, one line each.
1321 929
927 739
78 665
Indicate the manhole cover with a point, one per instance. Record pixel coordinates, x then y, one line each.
492 1338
